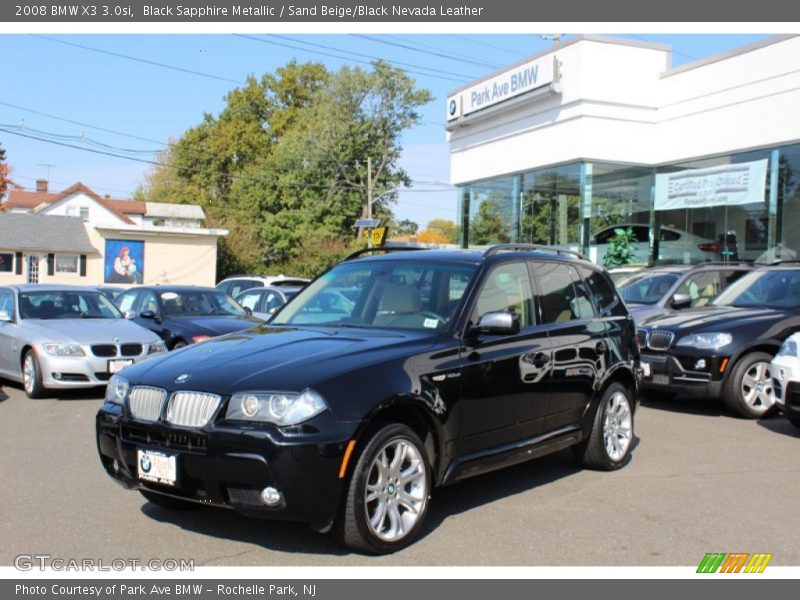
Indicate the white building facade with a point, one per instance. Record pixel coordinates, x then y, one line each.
702 161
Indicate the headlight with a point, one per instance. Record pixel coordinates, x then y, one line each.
156 347
706 341
58 349
789 348
280 408
201 338
117 389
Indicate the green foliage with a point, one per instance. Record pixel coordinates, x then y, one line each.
283 167
621 248
488 226
404 227
446 227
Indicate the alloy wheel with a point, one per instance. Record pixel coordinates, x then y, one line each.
617 426
756 388
29 373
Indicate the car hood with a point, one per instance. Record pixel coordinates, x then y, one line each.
714 318
274 358
641 313
86 331
212 325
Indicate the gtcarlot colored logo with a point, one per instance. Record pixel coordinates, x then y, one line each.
736 562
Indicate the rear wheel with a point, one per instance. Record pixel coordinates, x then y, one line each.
748 390
609 444
168 502
32 375
179 344
387 496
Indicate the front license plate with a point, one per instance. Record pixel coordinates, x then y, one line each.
646 370
661 379
115 366
157 467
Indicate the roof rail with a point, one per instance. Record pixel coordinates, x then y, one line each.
363 251
523 247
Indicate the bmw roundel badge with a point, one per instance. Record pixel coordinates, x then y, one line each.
182 378
452 107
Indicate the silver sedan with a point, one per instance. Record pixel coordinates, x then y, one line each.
66 337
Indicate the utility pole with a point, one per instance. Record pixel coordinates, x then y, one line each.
369 199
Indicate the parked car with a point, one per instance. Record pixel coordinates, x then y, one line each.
786 379
264 301
663 290
449 364
233 286
675 245
620 274
58 337
183 315
724 350
110 291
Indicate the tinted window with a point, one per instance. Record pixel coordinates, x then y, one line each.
148 301
647 288
240 285
768 288
126 302
195 303
668 235
701 287
507 288
66 305
272 301
604 294
249 300
641 233
558 296
7 302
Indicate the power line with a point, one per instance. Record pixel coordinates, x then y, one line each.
461 79
104 129
428 52
369 56
487 45
140 60
452 53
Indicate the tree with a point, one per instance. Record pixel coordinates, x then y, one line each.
447 228
406 227
488 227
432 236
283 166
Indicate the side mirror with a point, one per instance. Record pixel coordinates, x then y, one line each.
497 323
680 301
149 314
248 311
5 317
129 314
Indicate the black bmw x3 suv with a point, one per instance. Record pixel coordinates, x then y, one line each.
433 366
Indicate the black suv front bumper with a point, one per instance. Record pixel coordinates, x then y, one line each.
229 465
666 372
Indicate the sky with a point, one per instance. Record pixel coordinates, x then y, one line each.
129 94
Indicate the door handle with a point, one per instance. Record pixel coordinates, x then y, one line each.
601 347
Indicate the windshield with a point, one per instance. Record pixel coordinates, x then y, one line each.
764 289
387 294
646 288
199 303
66 305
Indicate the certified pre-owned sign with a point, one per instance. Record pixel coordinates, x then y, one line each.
514 82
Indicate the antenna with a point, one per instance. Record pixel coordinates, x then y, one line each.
48 166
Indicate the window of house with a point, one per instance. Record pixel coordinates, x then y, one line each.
84 213
66 264
6 262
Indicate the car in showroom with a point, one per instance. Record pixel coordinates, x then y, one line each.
264 301
786 379
724 350
675 245
183 315
665 289
61 337
236 284
449 364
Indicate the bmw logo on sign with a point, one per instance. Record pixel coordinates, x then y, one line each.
452 107
145 463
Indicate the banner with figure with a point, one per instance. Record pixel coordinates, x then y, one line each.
124 261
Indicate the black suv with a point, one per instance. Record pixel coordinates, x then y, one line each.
724 350
433 366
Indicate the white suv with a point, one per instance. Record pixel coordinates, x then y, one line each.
233 286
786 379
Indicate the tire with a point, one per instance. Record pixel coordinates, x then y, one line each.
748 391
32 375
393 505
179 344
169 502
609 444
794 421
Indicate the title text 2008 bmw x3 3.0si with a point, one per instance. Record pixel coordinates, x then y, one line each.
387 376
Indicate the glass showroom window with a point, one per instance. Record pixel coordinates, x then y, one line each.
618 197
66 264
550 207
493 212
788 203
714 210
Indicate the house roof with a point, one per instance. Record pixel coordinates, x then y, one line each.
30 200
174 211
44 233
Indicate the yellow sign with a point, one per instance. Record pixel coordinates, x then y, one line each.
378 236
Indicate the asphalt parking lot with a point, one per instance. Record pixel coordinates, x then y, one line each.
700 481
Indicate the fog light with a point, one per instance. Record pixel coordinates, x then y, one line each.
57 376
270 496
700 364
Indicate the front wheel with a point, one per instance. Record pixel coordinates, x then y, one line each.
32 375
608 446
387 496
794 421
748 390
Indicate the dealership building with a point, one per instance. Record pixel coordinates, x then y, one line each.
701 161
